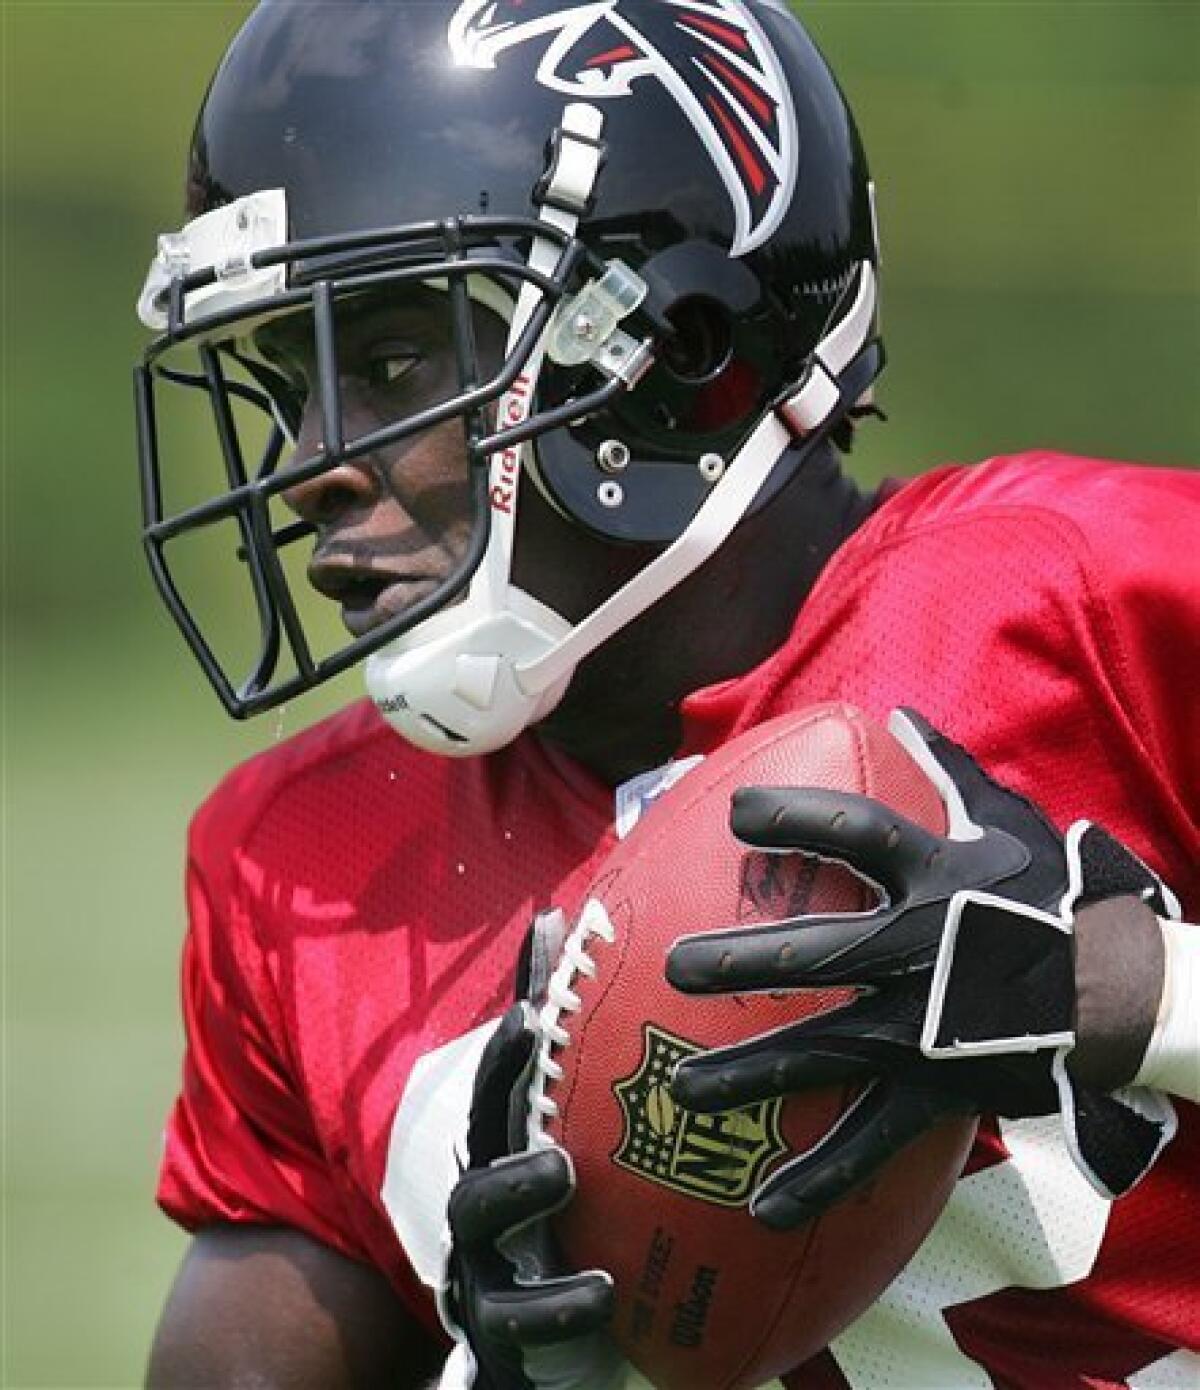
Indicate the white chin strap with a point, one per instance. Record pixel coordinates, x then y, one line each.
468 680
452 684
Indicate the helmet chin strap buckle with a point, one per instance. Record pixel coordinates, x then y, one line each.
452 686
586 327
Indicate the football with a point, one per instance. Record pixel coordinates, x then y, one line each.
708 1298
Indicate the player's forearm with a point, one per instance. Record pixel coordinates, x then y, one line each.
260 1305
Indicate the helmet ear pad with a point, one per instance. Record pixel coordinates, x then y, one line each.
706 391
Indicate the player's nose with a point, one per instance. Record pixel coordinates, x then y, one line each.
332 493
338 489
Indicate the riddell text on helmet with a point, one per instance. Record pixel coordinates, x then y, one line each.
513 411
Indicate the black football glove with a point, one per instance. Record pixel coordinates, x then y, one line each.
967 972
528 1323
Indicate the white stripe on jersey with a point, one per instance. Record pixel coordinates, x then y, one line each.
1179 1371
1032 1222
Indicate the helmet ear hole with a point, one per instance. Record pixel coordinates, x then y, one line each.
702 344
725 401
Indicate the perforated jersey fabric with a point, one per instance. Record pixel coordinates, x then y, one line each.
356 905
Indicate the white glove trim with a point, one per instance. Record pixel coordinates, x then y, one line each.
1063 921
959 1049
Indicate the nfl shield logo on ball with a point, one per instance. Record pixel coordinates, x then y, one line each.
716 1158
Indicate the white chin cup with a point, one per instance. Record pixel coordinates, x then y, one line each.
450 685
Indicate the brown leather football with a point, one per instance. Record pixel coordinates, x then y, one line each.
708 1298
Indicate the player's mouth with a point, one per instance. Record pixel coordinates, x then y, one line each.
368 596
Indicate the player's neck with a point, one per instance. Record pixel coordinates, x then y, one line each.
621 714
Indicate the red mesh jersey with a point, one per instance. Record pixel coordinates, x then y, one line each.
356 908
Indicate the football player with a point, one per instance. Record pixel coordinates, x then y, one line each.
540 329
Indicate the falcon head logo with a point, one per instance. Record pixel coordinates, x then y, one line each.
710 55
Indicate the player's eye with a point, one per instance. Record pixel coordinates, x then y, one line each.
391 367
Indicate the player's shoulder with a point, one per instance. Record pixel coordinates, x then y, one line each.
1099 499
1068 522
302 777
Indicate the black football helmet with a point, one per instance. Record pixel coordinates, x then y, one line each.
668 203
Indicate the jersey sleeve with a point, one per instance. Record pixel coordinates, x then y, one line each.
1131 663
1144 571
239 1145
1044 611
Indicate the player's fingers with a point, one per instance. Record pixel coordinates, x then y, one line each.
796 953
503 1065
553 1310
877 1034
868 836
954 771
881 1122
972 796
764 1068
487 1202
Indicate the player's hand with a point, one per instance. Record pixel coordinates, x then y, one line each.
969 977
523 1320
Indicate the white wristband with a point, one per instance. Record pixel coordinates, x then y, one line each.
1172 1060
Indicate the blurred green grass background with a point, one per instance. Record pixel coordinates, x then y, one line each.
1039 173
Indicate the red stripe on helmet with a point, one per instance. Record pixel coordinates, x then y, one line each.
614 55
763 108
756 175
733 38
